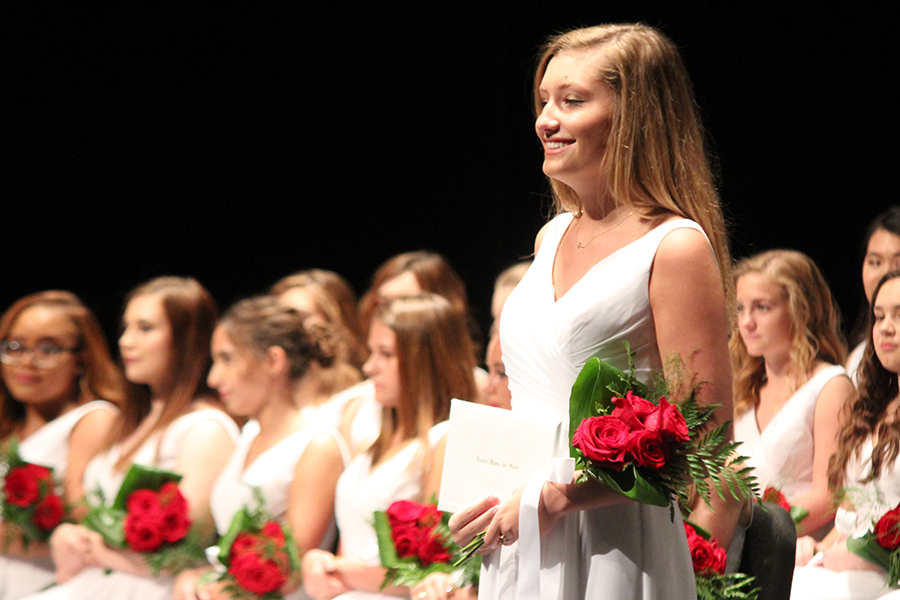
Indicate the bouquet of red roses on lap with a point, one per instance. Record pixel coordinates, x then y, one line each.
649 451
258 556
149 516
32 504
708 559
881 546
414 541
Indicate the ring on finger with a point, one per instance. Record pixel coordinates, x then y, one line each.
502 540
422 595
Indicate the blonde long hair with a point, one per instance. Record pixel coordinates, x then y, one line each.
815 324
656 161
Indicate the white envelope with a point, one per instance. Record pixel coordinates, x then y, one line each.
491 451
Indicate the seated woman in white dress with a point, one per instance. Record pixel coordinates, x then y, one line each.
325 298
171 421
56 390
262 355
865 465
880 254
789 387
421 358
406 274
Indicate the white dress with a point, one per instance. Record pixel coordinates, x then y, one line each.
361 491
49 447
627 551
272 472
161 452
782 455
872 500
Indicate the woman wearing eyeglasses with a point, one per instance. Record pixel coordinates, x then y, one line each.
55 365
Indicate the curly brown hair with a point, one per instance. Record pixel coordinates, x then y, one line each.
868 415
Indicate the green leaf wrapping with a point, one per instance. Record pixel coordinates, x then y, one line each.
140 477
798 513
631 484
593 391
868 548
240 522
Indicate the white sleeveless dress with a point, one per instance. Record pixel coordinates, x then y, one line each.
361 491
161 452
628 551
872 500
272 472
782 455
49 447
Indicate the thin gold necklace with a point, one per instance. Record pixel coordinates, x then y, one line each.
581 246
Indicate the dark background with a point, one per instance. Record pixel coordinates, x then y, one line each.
237 145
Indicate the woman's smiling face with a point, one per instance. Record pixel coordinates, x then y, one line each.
575 118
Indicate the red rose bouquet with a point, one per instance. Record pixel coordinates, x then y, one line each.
708 559
881 546
414 541
31 499
772 494
649 451
149 516
258 555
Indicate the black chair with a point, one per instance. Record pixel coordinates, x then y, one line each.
769 549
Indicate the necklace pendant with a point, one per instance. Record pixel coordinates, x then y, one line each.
579 245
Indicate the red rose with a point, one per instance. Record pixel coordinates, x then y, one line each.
706 556
403 512
144 503
887 529
669 422
648 449
632 409
719 558
244 543
256 575
21 487
273 531
433 549
604 440
142 534
170 497
174 524
772 494
49 512
38 472
429 516
406 540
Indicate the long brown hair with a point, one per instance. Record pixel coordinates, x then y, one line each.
815 324
435 362
100 379
867 415
192 315
656 161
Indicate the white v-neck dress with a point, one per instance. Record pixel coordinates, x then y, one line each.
627 551
49 447
782 454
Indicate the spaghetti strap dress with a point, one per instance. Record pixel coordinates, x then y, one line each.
627 551
49 447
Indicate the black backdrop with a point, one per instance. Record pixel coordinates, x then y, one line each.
237 145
